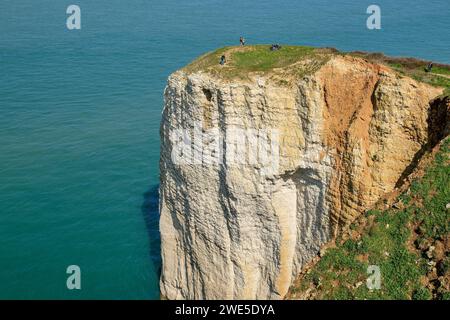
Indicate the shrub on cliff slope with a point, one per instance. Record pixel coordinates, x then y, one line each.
409 242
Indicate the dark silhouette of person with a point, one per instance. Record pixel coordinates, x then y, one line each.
275 47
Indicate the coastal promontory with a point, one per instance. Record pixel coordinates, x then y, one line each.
267 157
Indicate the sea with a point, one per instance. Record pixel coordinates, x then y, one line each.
80 111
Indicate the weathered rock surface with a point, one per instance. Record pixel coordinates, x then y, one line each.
238 225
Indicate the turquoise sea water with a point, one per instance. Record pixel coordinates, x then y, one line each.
80 112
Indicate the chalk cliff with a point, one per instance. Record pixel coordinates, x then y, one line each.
258 173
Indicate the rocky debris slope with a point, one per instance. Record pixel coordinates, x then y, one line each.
257 174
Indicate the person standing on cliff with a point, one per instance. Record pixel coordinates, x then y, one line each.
222 60
242 41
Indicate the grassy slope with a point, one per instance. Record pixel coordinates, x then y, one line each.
409 242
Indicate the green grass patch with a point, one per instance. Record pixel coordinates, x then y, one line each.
434 190
441 70
243 61
261 59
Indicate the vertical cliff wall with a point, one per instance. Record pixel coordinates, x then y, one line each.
257 174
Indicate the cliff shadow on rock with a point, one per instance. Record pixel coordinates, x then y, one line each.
150 213
438 128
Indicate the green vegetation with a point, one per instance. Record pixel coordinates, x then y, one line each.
241 61
441 70
207 61
260 58
409 242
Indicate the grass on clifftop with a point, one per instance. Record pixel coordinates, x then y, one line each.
241 61
409 242
299 61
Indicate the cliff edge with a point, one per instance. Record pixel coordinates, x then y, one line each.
265 159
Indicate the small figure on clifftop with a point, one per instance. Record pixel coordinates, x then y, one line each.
222 60
429 67
242 41
275 47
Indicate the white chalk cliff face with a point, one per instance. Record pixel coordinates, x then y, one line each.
274 170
